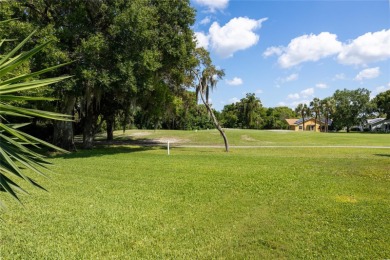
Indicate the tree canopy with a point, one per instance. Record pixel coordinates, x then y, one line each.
382 102
351 107
124 52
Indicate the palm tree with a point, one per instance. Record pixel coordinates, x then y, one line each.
15 151
206 81
209 80
303 110
328 106
315 106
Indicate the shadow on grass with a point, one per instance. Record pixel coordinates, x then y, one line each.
383 155
127 140
103 150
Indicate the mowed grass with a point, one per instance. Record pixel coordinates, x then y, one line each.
131 202
238 137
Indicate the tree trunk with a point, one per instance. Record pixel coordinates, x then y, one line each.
327 123
216 123
110 128
320 122
63 130
89 130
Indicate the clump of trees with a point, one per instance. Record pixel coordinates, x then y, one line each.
382 103
352 107
346 109
249 113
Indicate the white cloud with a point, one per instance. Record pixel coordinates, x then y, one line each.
370 47
367 48
259 91
295 103
307 92
234 100
289 78
213 5
369 73
340 76
202 40
292 77
306 48
234 82
321 85
298 98
293 96
273 51
238 34
205 20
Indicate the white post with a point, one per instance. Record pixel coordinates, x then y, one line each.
168 147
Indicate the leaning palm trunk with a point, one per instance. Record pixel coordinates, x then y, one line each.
215 121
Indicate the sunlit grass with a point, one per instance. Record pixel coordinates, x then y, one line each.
256 138
130 202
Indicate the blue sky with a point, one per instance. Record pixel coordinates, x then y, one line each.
288 52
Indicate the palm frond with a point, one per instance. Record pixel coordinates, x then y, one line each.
16 154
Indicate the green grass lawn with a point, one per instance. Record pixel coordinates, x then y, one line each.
256 138
131 202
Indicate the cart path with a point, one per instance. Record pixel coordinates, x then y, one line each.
278 146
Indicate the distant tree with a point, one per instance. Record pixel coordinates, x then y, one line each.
229 116
276 117
251 109
382 102
303 110
350 107
327 106
315 107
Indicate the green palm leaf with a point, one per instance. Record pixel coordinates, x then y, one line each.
15 152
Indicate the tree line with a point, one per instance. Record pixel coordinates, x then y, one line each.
344 109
